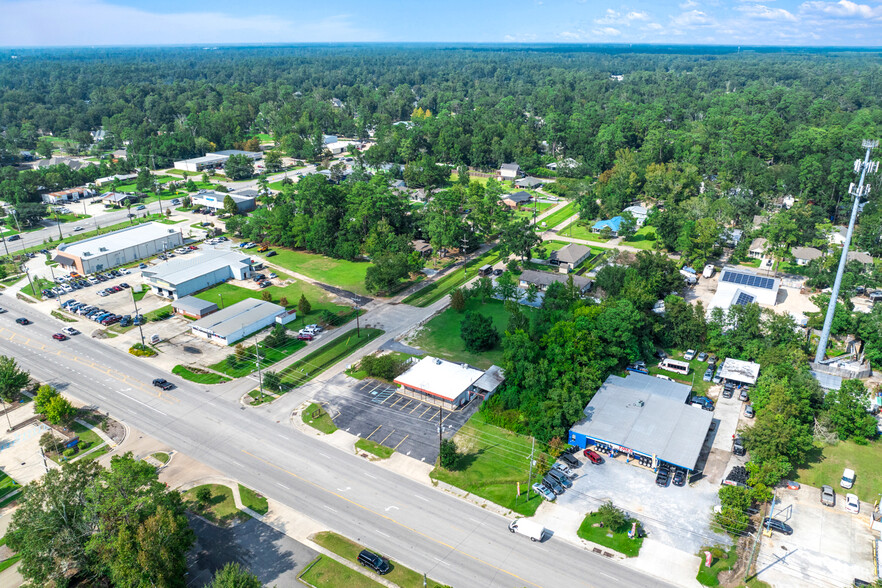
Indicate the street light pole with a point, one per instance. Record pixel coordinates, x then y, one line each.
58 224
140 329
6 412
259 374
51 271
28 274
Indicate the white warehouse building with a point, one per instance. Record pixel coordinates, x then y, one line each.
236 322
119 247
186 275
215 200
739 286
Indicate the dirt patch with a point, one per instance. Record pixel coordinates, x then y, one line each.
734 578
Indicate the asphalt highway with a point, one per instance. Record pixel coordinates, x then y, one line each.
449 539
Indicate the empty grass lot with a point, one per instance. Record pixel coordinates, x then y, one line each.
494 460
7 484
226 294
268 356
578 230
527 211
349 550
644 238
441 335
328 573
306 368
316 417
221 508
560 214
601 535
198 376
348 275
825 464
455 278
253 500
707 576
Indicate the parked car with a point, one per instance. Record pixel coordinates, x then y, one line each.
140 207
271 253
59 337
22 321
743 395
847 480
703 401
565 470
593 456
852 504
828 497
265 284
70 331
728 390
689 355
708 375
702 356
748 411
544 492
76 229
163 383
738 446
659 353
305 337
778 526
570 460
142 265
679 477
662 477
560 477
273 275
553 485
373 561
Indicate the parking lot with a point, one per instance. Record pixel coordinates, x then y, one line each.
829 546
374 410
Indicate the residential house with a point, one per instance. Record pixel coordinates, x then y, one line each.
567 163
639 213
516 199
337 103
759 220
804 255
508 171
730 237
614 224
529 182
74 164
758 248
544 279
422 247
71 195
837 237
571 255
862 257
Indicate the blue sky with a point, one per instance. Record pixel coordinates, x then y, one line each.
158 22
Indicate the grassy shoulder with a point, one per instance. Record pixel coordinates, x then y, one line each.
325 572
722 560
349 550
560 214
825 463
253 500
348 275
308 367
436 290
316 417
492 462
374 448
219 509
258 398
268 356
616 539
199 376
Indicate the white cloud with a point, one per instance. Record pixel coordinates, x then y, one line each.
693 18
637 15
762 12
607 32
614 17
842 9
653 26
688 4
73 22
520 38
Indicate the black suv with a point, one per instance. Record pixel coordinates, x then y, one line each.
679 477
776 525
163 383
663 476
728 390
373 561
737 446
703 401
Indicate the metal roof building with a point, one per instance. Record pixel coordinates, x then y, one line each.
742 286
118 247
439 379
740 372
189 274
215 200
644 416
193 307
240 320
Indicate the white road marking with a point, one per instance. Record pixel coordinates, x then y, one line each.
389 508
381 533
370 476
329 508
139 402
442 562
282 485
284 436
422 498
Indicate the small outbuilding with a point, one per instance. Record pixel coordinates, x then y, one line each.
740 372
192 307
239 320
516 199
509 171
528 182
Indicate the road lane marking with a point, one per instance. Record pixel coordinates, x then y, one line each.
282 485
284 436
329 508
370 476
143 403
382 533
422 498
442 562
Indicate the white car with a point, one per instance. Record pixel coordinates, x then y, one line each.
77 229
690 355
124 271
102 293
544 492
852 504
70 331
565 470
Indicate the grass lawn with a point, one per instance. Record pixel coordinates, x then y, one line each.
226 294
695 377
549 246
159 314
69 218
399 575
348 275
825 464
316 417
527 211
97 453
374 448
707 576
328 573
268 356
7 563
161 456
454 178
140 294
619 540
494 460
441 335
39 285
253 500
560 214
644 238
264 138
198 376
220 510
306 368
789 267
7 484
259 397
88 438
577 230
755 263
455 278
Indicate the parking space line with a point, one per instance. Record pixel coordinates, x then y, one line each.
419 404
400 442
449 414
428 408
388 394
387 436
406 405
400 398
372 432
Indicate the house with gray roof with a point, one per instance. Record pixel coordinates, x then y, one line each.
544 279
571 254
804 255
509 171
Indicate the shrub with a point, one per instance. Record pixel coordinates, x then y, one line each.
140 350
448 455
387 367
203 496
70 452
266 296
303 306
283 301
458 300
610 515
478 333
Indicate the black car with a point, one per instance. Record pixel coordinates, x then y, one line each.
662 477
497 272
703 401
553 485
13 238
570 460
22 321
661 354
679 477
738 446
162 383
271 253
373 561
776 525
728 391
561 478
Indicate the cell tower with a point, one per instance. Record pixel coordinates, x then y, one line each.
863 168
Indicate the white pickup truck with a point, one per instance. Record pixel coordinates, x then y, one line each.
534 531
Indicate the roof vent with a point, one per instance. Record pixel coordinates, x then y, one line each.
102 248
437 362
87 253
640 403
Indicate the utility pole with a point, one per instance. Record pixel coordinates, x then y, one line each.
6 412
53 280
140 329
58 224
28 274
440 425
861 167
259 374
357 324
532 453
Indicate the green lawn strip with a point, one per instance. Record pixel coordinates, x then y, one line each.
644 238
10 498
62 317
39 285
221 509
601 535
527 210
88 437
161 456
349 550
198 376
316 417
455 278
268 356
825 463
259 398
577 230
328 573
327 355
7 484
441 335
494 460
97 453
559 215
454 178
159 314
253 500
348 275
549 246
226 294
139 295
68 217
707 576
8 563
374 448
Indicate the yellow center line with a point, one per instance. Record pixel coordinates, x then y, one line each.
391 520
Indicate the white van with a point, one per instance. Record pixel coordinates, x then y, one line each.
534 531
847 480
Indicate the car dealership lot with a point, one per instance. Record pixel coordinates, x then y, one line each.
829 546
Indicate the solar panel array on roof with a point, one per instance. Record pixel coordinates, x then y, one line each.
748 280
744 298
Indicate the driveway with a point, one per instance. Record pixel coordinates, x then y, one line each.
273 557
829 546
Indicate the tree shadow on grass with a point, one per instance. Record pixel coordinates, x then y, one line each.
813 457
465 460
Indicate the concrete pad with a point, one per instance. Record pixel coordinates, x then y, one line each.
666 562
20 455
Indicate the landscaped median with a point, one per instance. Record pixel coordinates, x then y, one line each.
721 560
200 376
455 278
306 368
325 572
612 532
318 418
349 550
374 448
